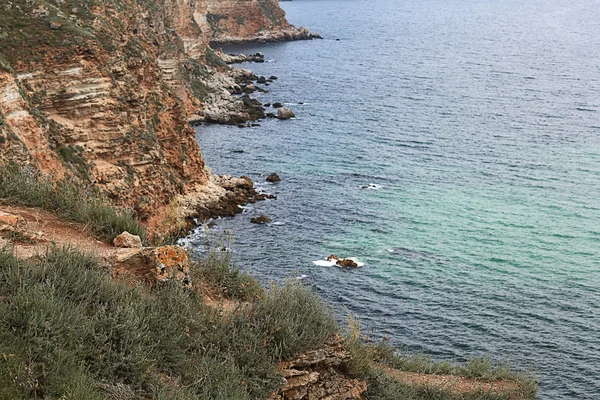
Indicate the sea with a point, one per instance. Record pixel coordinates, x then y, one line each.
453 147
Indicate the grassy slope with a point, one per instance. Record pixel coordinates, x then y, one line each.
28 188
68 330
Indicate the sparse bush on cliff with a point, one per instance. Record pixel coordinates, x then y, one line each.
24 186
370 359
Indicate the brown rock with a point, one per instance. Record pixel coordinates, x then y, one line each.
55 25
11 220
262 219
346 263
153 264
127 240
273 178
285 113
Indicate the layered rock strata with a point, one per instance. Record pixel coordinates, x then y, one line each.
319 375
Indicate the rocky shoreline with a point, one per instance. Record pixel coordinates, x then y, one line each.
282 35
229 101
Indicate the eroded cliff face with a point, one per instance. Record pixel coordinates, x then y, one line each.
102 90
228 20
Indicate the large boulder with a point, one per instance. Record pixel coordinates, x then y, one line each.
153 264
285 113
127 240
347 263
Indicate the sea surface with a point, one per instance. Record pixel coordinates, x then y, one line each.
476 124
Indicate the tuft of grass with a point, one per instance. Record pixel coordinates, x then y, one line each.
26 187
17 237
218 269
68 331
383 387
305 324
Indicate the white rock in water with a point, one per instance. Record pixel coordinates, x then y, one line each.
285 113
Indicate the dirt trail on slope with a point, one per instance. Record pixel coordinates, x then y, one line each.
36 229
457 384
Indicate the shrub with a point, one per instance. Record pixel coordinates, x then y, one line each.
26 187
291 318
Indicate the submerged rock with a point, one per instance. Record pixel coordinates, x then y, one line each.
273 178
262 219
277 105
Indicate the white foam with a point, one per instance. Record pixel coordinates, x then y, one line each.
371 186
324 263
278 223
299 278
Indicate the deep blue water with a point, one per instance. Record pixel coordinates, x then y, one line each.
480 122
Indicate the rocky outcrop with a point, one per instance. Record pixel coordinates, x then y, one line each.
240 58
319 375
152 265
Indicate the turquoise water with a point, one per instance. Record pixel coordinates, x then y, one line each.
479 122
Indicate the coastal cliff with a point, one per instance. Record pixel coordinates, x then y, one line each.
104 91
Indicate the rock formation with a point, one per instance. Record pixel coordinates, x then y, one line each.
319 375
152 264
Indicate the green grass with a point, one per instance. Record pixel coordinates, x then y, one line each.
17 237
23 186
67 331
382 387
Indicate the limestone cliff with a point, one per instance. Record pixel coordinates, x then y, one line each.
103 90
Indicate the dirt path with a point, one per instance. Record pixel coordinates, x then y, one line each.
36 229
